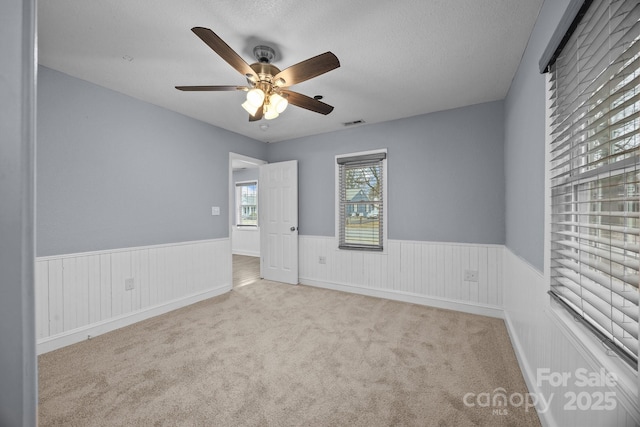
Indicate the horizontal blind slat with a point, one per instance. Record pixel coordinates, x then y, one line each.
619 314
615 257
628 246
618 333
600 268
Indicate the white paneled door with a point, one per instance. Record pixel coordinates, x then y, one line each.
279 221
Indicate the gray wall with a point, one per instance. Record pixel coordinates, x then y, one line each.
18 372
117 172
525 144
445 174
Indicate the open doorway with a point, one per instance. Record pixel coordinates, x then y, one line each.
244 227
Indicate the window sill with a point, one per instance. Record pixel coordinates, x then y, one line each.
362 249
384 251
598 356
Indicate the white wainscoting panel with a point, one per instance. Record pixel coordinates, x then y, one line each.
245 241
420 272
81 295
541 344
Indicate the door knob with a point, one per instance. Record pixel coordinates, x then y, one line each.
293 229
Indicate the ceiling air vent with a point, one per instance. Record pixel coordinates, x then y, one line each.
355 122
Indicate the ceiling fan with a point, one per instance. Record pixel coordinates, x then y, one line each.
267 93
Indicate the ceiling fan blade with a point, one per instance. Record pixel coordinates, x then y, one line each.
258 115
308 69
221 48
303 101
210 88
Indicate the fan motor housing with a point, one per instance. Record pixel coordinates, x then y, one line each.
265 71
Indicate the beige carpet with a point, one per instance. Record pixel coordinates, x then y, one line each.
271 354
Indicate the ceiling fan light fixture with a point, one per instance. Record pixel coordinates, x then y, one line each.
278 102
266 96
270 112
255 97
250 108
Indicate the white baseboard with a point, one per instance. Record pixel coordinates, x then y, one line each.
465 307
83 333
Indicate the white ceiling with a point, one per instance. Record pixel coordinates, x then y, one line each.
398 58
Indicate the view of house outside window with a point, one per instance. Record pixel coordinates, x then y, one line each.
247 203
362 225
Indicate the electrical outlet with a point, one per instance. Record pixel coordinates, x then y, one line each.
129 284
322 260
471 275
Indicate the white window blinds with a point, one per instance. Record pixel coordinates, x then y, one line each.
361 206
595 104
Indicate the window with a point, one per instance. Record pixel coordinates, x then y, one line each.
247 204
361 201
595 172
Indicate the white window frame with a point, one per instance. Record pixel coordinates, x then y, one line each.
385 198
597 355
238 185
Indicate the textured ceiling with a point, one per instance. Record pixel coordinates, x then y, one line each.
398 58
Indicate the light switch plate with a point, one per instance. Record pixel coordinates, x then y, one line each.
215 210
